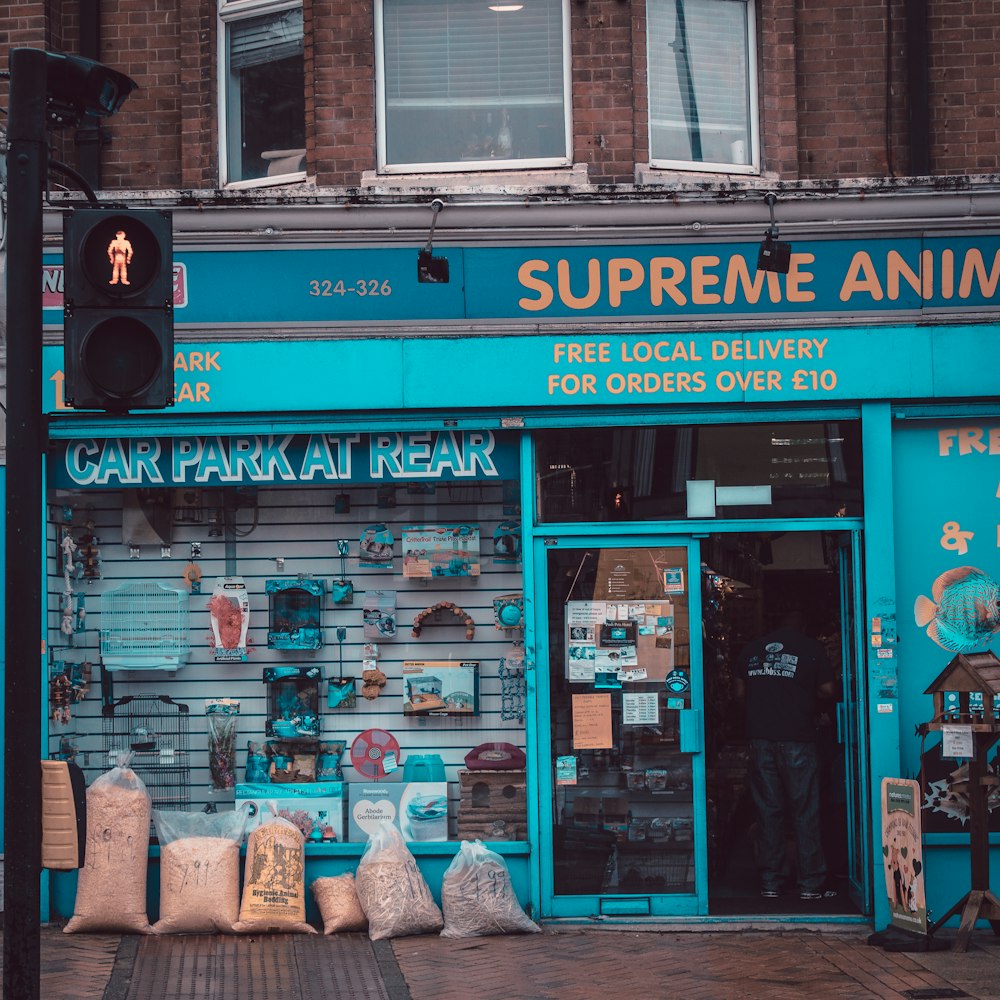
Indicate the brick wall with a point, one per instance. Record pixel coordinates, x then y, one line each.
833 87
603 53
964 86
340 90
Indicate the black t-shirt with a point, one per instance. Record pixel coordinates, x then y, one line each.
783 671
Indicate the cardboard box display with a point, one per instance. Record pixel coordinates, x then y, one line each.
316 808
418 809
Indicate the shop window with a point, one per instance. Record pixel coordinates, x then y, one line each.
364 630
702 85
472 86
262 93
644 473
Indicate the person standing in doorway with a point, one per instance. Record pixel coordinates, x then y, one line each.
782 676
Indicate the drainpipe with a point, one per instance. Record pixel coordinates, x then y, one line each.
917 72
89 138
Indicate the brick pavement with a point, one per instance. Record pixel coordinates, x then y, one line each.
718 965
561 963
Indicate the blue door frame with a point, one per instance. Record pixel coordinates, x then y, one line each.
690 724
852 721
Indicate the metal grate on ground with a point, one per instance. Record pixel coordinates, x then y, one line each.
256 967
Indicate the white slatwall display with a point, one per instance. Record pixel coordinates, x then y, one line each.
300 526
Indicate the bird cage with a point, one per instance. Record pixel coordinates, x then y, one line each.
155 730
144 626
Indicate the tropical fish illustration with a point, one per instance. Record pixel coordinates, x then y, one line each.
964 614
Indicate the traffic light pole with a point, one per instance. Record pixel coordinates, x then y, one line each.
24 583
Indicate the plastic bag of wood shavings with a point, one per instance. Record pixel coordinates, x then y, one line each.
111 891
337 899
394 895
274 888
477 897
199 871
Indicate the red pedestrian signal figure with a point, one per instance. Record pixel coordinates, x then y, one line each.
120 255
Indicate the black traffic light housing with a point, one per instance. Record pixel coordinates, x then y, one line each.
118 309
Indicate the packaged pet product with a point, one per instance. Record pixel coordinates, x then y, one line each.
111 892
477 896
394 895
337 899
199 871
274 889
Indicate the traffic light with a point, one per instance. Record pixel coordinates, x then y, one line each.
118 299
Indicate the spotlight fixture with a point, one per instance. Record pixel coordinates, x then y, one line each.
431 269
774 254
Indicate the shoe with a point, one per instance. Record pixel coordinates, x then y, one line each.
770 892
810 894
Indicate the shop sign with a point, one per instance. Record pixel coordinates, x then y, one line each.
668 282
317 459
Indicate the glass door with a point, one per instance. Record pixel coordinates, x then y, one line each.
621 767
851 724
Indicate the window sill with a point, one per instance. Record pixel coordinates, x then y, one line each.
647 175
276 181
529 181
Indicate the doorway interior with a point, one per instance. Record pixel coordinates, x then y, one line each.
749 581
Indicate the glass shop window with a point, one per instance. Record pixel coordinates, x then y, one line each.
717 471
263 94
702 85
465 86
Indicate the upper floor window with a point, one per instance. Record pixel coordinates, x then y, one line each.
262 133
472 85
702 85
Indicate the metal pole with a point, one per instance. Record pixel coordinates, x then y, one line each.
24 583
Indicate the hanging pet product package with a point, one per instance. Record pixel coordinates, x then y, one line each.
221 719
293 702
230 610
341 691
295 608
342 590
144 626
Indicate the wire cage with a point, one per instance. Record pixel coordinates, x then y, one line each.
659 870
156 730
144 626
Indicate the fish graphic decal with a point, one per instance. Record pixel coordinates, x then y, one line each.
964 613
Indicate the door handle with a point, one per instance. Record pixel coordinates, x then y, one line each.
690 726
839 716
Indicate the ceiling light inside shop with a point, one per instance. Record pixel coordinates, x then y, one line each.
505 8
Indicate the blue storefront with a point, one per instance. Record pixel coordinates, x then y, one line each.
660 449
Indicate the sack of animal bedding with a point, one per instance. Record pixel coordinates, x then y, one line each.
394 895
274 888
339 906
478 898
199 871
111 891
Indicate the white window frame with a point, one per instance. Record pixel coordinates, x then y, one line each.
462 166
704 166
230 11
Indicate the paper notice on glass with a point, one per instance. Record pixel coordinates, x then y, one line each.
957 742
566 770
585 612
580 663
641 708
592 722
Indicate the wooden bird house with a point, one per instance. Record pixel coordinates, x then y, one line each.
966 693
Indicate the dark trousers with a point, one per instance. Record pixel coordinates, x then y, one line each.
780 772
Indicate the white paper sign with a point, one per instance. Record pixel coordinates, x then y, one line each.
640 708
956 742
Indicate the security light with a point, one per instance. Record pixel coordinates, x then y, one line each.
774 254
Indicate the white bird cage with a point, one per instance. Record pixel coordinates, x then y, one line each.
144 626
